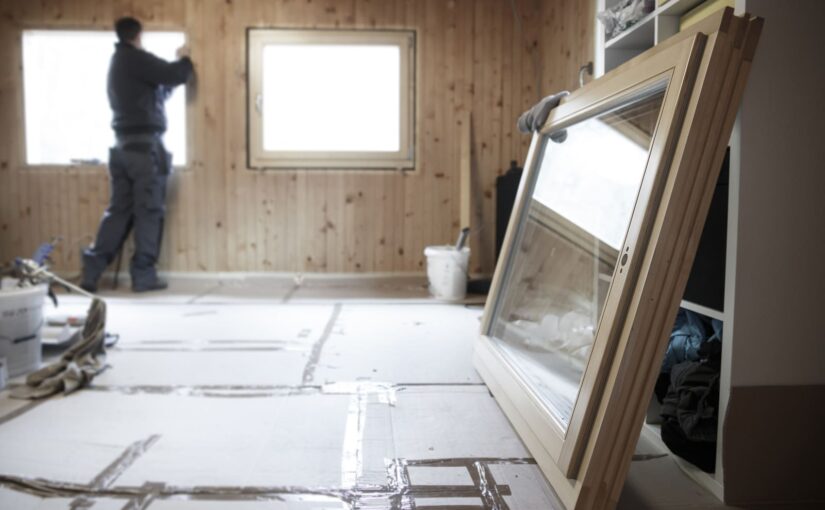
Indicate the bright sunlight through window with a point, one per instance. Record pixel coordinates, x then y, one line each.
366 92
331 98
68 119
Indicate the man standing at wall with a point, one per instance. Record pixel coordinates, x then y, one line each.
138 85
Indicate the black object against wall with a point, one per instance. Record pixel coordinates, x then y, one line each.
506 188
706 284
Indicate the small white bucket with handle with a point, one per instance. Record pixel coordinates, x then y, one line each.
447 271
21 321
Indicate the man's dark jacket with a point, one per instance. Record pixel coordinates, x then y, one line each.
139 83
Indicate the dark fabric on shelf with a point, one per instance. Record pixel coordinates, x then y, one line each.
690 409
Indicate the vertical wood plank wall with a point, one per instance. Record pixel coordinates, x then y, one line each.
472 56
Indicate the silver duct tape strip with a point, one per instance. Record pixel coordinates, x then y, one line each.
213 391
397 494
150 493
384 393
211 345
203 349
318 347
468 461
216 341
484 485
113 471
352 456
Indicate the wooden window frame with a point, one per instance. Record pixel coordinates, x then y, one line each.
707 69
403 158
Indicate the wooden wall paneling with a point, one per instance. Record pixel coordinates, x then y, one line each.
352 203
90 185
216 169
333 221
510 83
71 247
50 185
300 221
485 84
72 220
346 226
411 221
240 15
271 226
446 153
167 248
531 70
366 231
567 43
375 187
10 220
317 195
206 37
395 229
379 15
467 60
289 245
258 199
383 191
15 209
234 159
308 183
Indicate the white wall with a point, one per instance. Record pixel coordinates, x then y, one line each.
779 312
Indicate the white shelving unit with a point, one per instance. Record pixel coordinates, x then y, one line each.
657 26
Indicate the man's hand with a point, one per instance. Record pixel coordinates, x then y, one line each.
183 51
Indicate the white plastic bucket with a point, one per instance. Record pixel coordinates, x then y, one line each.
21 319
447 271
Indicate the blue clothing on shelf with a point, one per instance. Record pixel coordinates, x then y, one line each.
690 331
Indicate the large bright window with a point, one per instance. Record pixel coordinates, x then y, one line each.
68 119
331 98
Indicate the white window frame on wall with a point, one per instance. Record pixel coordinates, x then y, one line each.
36 156
260 158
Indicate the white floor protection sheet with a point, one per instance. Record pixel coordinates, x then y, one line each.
220 401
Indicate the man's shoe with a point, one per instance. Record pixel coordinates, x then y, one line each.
89 287
155 285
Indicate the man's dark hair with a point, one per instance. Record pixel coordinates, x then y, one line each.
127 29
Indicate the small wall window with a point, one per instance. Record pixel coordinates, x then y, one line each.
331 99
68 119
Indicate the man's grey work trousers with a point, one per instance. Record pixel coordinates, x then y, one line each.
138 194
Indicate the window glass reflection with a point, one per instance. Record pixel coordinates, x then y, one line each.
567 246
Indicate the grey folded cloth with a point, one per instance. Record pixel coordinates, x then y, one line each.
534 118
77 366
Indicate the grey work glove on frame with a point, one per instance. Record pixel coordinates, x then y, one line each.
533 119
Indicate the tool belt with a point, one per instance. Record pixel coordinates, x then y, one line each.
139 142
146 143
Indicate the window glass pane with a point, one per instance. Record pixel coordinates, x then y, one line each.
309 86
567 247
67 110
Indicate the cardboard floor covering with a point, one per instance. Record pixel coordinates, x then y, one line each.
220 400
